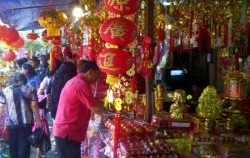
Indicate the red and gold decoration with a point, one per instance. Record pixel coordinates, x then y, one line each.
52 20
114 61
235 86
32 36
122 7
118 31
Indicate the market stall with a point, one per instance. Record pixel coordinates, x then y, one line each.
136 44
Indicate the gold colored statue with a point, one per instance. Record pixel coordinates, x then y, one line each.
158 98
178 107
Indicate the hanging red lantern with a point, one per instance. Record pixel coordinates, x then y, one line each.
32 36
2 32
114 61
11 35
8 55
118 31
18 44
123 7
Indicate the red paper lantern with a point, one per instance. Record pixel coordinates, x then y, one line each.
2 32
11 35
114 61
8 55
32 36
18 44
124 7
118 31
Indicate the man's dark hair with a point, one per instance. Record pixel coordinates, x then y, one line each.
69 55
31 71
17 78
88 65
35 59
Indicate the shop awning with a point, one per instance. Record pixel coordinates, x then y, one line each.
23 14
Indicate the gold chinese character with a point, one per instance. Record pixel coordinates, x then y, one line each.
119 4
117 29
108 62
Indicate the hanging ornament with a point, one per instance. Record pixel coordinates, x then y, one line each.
52 20
114 61
18 44
8 55
122 7
10 35
118 31
32 36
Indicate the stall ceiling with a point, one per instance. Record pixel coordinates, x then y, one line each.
23 14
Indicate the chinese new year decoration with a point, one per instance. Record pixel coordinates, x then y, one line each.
114 61
32 36
8 55
122 7
52 20
118 31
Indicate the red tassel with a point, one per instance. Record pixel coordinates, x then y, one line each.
226 35
200 39
237 64
181 46
116 133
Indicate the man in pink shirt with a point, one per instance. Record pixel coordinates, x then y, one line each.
74 108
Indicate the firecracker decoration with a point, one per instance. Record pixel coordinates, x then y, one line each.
147 57
52 20
32 36
221 19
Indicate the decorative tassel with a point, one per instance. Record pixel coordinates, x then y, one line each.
134 77
171 42
116 133
226 35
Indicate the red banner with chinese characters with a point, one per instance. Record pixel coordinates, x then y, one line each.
118 31
124 7
114 61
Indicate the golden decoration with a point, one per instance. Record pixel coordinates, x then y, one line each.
88 5
177 108
210 104
92 21
52 20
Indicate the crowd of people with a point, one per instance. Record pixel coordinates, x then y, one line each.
65 92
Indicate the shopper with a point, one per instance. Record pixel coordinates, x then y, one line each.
66 72
74 108
30 73
20 102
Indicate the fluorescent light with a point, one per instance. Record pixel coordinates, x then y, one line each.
166 3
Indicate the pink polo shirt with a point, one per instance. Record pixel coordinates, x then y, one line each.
73 112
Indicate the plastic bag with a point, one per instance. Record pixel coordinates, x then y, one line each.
36 137
46 144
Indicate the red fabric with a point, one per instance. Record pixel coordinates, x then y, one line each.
225 35
73 111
